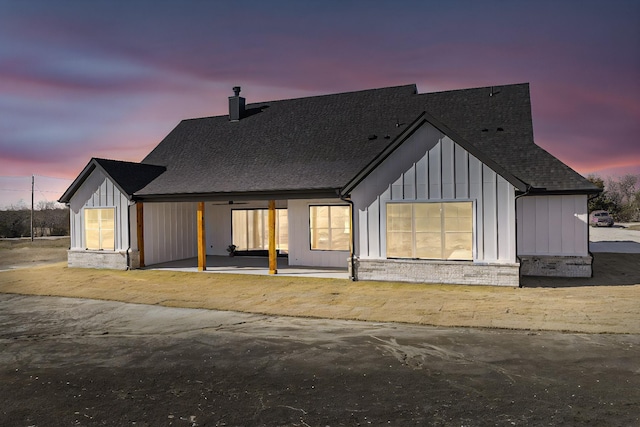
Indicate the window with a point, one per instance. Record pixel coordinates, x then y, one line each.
99 226
430 230
250 229
330 227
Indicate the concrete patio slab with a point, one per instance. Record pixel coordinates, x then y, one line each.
251 265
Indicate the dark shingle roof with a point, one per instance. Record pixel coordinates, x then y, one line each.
321 144
497 121
129 177
306 143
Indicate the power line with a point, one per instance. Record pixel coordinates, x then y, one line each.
29 176
26 189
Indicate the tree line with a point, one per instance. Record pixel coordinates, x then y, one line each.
48 220
621 197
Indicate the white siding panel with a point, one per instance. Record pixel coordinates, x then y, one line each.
475 193
542 221
435 175
506 214
462 172
373 228
556 226
397 190
422 178
409 183
489 210
169 232
363 243
553 225
300 252
447 169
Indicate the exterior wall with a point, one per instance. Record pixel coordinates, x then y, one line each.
553 225
553 236
300 252
451 272
169 232
218 230
429 166
99 191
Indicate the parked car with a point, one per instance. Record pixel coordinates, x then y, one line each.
600 219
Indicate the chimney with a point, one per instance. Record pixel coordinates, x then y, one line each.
236 105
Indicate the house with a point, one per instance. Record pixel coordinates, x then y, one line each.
445 187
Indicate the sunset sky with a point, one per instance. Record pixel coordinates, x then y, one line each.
82 79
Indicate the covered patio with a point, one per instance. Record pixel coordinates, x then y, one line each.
250 265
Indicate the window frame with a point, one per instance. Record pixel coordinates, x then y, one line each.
442 233
100 238
329 228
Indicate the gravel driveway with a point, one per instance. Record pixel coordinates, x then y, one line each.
616 239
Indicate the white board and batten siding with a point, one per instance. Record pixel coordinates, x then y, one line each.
430 167
553 225
300 252
170 232
99 192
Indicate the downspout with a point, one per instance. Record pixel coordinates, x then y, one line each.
526 192
352 246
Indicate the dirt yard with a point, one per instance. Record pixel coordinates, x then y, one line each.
79 362
20 253
606 303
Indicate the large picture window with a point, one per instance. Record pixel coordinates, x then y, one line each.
99 228
330 227
430 230
250 229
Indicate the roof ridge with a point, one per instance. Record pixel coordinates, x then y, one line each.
327 95
475 88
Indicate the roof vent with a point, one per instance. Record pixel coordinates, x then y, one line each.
236 105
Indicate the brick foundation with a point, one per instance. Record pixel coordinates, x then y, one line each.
450 272
115 260
556 266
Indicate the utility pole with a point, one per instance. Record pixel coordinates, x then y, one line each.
32 179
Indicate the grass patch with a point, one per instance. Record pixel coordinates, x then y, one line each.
23 252
635 227
61 242
596 309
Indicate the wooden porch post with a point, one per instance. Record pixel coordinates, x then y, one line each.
273 260
202 242
140 231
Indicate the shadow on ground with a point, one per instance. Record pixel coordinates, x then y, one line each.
609 269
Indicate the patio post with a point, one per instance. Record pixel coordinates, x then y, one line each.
202 244
273 260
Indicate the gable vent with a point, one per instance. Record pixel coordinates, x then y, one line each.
236 105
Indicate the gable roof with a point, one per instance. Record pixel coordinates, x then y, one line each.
306 144
129 177
321 146
497 121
